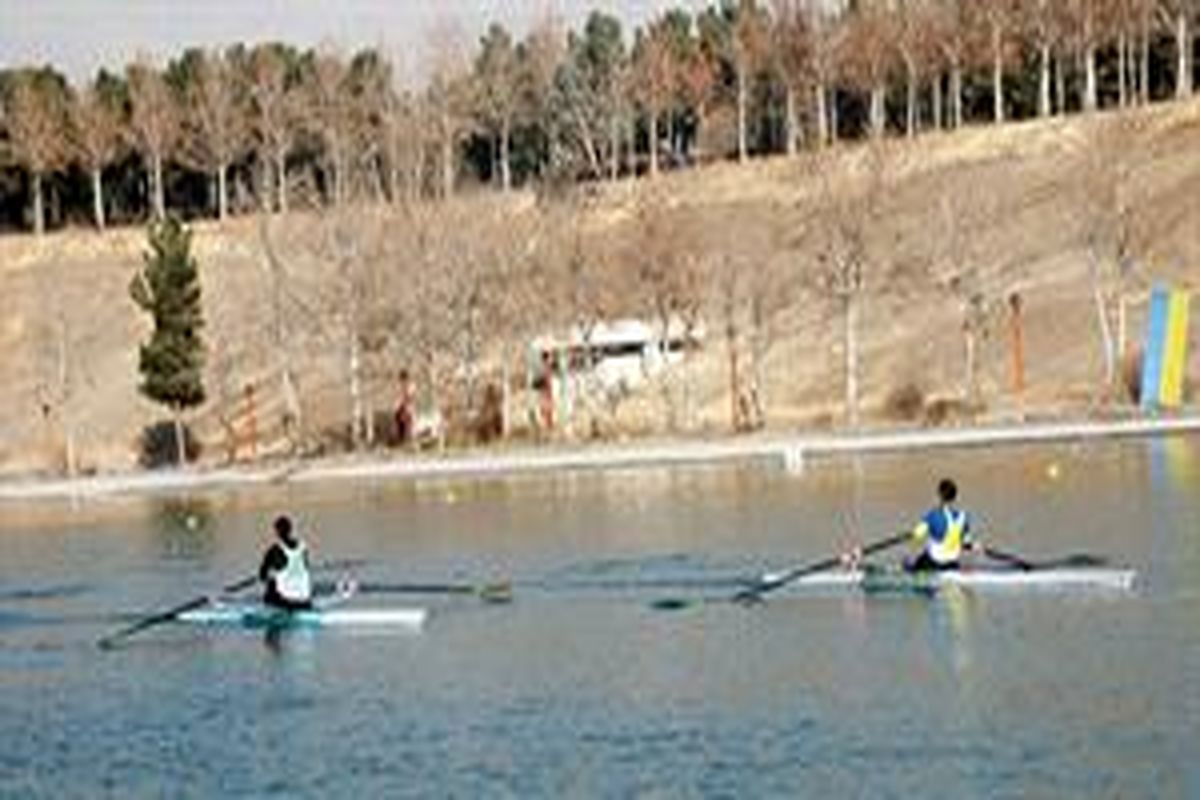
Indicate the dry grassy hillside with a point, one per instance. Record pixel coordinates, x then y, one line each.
937 222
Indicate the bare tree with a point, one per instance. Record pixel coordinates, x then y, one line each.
749 45
449 99
952 27
959 258
913 40
154 122
653 82
60 354
1086 31
792 46
272 120
1178 16
1044 29
999 18
696 76
96 136
1112 227
851 202
827 31
215 123
497 71
282 331
36 117
329 115
868 54
541 55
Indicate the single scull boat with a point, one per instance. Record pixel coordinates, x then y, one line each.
258 615
884 579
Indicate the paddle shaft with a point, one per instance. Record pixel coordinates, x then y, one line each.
1008 558
756 592
416 588
172 613
488 591
1024 564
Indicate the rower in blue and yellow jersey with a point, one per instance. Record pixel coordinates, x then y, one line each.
943 533
284 570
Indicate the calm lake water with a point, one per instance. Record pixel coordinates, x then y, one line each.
580 688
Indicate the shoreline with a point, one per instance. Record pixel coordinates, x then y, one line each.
790 450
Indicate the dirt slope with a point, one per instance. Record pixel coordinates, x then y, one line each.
1005 210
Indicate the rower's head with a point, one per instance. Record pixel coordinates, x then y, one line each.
947 491
283 529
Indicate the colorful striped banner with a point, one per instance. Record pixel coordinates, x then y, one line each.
1175 359
1164 359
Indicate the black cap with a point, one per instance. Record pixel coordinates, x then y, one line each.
947 491
283 526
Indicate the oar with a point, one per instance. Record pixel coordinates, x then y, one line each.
769 583
112 639
499 592
755 591
1024 564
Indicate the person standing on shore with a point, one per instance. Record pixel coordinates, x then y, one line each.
284 570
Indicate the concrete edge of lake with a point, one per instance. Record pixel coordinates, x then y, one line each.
790 451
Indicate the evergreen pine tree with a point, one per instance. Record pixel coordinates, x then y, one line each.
168 288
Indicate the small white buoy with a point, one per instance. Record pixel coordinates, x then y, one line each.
1053 472
793 459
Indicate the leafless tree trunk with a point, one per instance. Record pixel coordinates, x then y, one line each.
39 213
850 313
66 393
274 104
1106 336
878 110
956 93
154 120
743 151
997 72
36 119
791 121
1144 64
1060 86
1122 70
214 124
614 148
95 130
912 98
1090 91
938 103
1183 49
822 115
281 335
506 155
98 198
1044 109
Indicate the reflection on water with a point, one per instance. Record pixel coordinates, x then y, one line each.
1173 464
579 687
950 629
184 529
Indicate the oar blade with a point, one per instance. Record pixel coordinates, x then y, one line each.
496 593
110 641
671 604
1084 560
113 639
